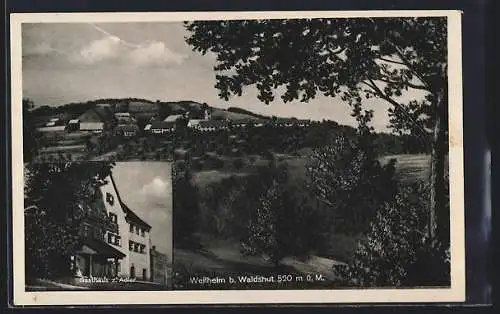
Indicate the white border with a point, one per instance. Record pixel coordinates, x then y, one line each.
454 294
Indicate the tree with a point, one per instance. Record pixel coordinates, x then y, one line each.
397 250
55 195
357 59
30 142
186 204
346 176
263 230
266 231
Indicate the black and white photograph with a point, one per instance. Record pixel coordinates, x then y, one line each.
295 156
98 226
328 167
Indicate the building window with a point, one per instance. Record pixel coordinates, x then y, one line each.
130 245
86 230
143 247
144 273
137 230
142 232
114 239
113 217
110 199
132 228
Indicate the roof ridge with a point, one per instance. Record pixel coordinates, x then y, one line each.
124 206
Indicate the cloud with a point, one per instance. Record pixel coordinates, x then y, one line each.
100 50
113 48
41 49
156 188
155 53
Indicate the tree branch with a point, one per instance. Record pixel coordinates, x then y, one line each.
391 61
409 65
397 105
421 87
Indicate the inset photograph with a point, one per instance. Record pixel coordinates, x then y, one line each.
98 226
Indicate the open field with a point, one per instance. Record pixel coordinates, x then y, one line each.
222 258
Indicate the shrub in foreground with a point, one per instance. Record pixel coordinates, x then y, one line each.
397 250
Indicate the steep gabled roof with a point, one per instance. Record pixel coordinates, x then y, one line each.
129 214
127 127
173 118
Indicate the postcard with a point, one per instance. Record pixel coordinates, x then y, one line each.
237 158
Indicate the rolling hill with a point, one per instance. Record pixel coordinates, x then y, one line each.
102 108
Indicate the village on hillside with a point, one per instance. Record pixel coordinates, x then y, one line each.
137 129
103 129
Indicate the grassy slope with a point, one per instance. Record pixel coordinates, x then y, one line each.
222 254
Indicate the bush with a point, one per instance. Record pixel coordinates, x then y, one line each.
397 250
280 224
238 163
346 176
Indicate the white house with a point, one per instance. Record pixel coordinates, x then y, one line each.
94 127
162 127
132 237
194 123
212 125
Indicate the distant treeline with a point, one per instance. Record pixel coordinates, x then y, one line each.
80 107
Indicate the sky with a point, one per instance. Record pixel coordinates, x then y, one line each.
146 188
74 62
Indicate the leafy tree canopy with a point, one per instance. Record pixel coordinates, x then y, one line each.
354 58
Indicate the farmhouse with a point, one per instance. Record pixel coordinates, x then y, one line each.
92 127
212 125
54 122
259 123
73 125
116 240
60 128
127 130
162 127
124 118
194 123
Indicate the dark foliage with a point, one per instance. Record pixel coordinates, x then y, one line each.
56 198
347 177
397 250
353 58
186 204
